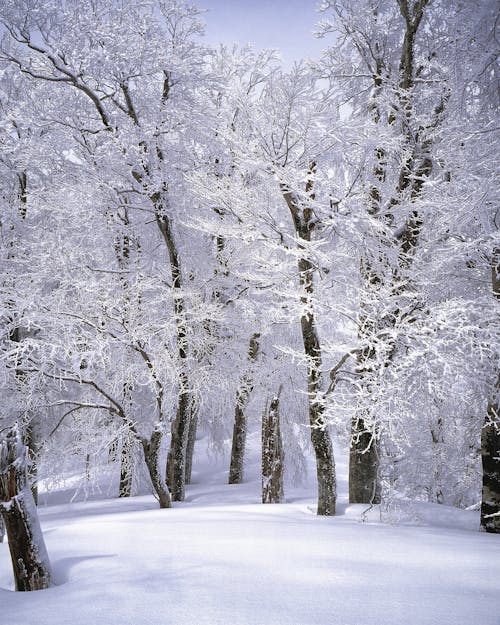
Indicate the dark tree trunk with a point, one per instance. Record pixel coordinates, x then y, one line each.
151 450
320 437
193 428
240 421
272 455
176 461
27 548
490 452
2 529
364 483
239 441
126 468
30 441
490 439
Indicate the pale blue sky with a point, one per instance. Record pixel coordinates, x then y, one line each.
283 24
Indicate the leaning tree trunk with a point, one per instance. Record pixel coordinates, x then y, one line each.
151 450
240 420
29 557
490 440
272 454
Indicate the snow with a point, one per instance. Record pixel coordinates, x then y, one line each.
222 558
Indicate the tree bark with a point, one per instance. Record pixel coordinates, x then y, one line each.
490 451
176 461
29 557
364 483
126 468
272 455
193 428
240 420
151 450
490 439
176 469
320 437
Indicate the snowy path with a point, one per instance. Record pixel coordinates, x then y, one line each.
125 562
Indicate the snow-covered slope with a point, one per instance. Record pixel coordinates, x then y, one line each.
221 558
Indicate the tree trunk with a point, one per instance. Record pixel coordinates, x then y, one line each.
30 561
272 455
240 421
364 483
34 452
193 428
2 529
490 439
320 437
151 450
176 461
126 468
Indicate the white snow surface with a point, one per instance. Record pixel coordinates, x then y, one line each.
222 558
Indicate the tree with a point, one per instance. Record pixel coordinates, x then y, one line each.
396 66
280 157
125 120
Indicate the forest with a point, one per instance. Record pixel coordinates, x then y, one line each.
205 254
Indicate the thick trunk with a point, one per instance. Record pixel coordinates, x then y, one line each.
27 548
272 455
364 483
240 421
151 450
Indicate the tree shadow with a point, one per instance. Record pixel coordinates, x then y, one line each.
62 566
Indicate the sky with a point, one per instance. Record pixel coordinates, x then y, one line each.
284 24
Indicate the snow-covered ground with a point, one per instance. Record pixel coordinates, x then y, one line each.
222 558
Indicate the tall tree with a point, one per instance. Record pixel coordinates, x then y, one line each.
395 64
